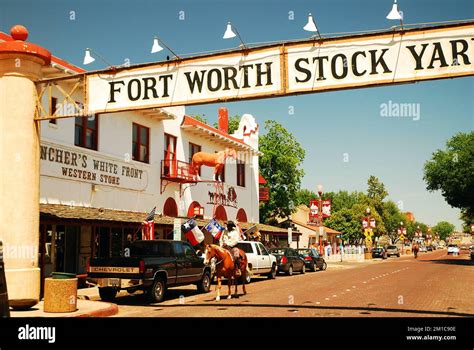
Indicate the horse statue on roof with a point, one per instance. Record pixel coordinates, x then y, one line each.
216 160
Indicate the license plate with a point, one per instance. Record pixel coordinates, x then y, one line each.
114 282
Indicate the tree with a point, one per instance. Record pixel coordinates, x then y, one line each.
452 172
304 196
376 192
233 124
392 216
200 118
467 218
349 222
346 221
344 199
280 165
443 229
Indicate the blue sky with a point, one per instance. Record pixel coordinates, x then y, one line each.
328 125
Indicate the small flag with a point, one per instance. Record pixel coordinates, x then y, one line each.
148 226
251 232
151 215
148 230
192 232
215 229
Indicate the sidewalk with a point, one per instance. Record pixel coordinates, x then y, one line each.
358 263
85 308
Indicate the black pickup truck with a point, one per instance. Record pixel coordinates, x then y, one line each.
151 266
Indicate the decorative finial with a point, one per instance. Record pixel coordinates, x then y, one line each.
19 32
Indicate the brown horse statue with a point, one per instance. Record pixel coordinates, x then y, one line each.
216 160
225 267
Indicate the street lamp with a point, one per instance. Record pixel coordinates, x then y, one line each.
320 218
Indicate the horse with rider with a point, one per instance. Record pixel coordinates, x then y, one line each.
231 261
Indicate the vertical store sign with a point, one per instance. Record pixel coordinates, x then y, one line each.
177 229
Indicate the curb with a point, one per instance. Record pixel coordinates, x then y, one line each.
111 310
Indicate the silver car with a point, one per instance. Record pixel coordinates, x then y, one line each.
393 250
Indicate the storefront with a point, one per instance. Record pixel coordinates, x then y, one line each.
101 174
71 235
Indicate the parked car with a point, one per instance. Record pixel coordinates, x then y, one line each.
288 260
379 252
260 261
453 249
393 250
312 259
152 266
429 248
423 249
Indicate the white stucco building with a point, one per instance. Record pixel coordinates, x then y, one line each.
101 174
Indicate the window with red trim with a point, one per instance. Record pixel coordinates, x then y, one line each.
86 131
193 149
141 143
170 154
240 173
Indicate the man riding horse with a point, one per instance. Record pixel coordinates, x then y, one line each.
229 241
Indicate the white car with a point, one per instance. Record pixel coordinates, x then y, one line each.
453 249
260 261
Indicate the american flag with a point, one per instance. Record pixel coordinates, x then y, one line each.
148 226
151 215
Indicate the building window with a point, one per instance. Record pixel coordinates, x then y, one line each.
241 173
86 132
141 143
53 109
193 149
170 155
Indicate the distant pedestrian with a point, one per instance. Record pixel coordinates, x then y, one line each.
328 249
415 248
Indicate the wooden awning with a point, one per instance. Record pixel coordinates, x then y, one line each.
69 212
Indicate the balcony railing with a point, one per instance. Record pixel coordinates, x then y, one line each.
177 171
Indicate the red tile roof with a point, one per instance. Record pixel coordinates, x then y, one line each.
190 121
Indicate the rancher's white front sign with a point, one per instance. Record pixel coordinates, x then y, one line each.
290 68
79 164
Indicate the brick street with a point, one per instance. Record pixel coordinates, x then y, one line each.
434 285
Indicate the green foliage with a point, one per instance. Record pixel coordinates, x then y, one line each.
443 229
233 123
349 221
349 208
468 218
280 165
452 172
304 196
392 216
344 199
200 118
376 193
346 221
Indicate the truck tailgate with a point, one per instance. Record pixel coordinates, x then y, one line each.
115 267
